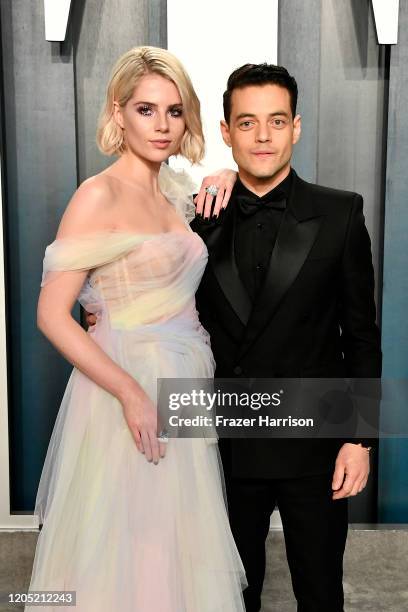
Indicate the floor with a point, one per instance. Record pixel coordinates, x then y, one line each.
375 570
375 573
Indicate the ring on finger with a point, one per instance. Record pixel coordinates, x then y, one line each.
212 190
163 437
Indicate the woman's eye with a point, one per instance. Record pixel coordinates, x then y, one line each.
176 112
145 110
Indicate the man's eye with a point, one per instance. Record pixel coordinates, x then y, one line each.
279 123
245 124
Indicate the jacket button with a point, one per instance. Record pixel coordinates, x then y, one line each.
237 370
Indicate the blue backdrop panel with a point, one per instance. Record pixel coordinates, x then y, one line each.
40 173
393 475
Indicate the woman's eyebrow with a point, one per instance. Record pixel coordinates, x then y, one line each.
153 104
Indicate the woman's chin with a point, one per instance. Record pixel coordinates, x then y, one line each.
158 156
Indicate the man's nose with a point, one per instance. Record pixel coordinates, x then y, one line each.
263 133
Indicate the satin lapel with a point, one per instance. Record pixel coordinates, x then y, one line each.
222 259
295 239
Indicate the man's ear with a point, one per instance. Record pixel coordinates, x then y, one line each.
225 132
297 129
117 114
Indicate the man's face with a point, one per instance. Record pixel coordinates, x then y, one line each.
261 130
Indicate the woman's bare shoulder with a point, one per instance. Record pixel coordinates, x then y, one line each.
90 207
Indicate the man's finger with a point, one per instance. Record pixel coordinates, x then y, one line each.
363 484
356 488
347 487
338 476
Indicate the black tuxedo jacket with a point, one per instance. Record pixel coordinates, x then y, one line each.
314 316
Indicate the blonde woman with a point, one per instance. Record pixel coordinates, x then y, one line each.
132 523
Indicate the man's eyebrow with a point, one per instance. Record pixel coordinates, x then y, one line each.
241 115
279 113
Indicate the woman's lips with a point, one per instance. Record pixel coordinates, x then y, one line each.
160 144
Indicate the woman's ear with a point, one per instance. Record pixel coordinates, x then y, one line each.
117 114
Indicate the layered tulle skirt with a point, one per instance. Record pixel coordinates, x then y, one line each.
124 534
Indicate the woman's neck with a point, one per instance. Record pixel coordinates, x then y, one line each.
140 173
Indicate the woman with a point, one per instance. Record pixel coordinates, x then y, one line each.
129 522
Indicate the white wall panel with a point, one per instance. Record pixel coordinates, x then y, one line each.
386 21
213 38
56 15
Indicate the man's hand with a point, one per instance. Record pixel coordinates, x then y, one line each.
224 180
351 471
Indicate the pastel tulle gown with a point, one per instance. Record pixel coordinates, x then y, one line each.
125 534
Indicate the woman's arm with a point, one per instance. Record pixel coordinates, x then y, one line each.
55 320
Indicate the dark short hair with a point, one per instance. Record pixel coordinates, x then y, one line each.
260 74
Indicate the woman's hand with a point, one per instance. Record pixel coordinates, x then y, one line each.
141 416
139 412
224 180
90 318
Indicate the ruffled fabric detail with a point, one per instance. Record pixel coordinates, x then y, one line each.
178 187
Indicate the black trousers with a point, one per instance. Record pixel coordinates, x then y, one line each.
315 531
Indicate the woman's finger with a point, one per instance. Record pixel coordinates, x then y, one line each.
146 445
208 205
218 202
154 445
227 195
138 440
199 201
201 196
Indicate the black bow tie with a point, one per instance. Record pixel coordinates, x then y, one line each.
249 205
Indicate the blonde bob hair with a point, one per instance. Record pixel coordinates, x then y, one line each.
127 72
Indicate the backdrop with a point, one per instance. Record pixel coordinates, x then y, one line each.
355 136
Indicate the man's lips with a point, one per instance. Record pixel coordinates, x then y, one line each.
263 153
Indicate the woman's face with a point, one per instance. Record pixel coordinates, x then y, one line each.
152 119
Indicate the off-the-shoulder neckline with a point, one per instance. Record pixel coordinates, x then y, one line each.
127 233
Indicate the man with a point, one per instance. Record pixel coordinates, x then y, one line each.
288 292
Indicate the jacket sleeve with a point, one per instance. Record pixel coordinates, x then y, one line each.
360 334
